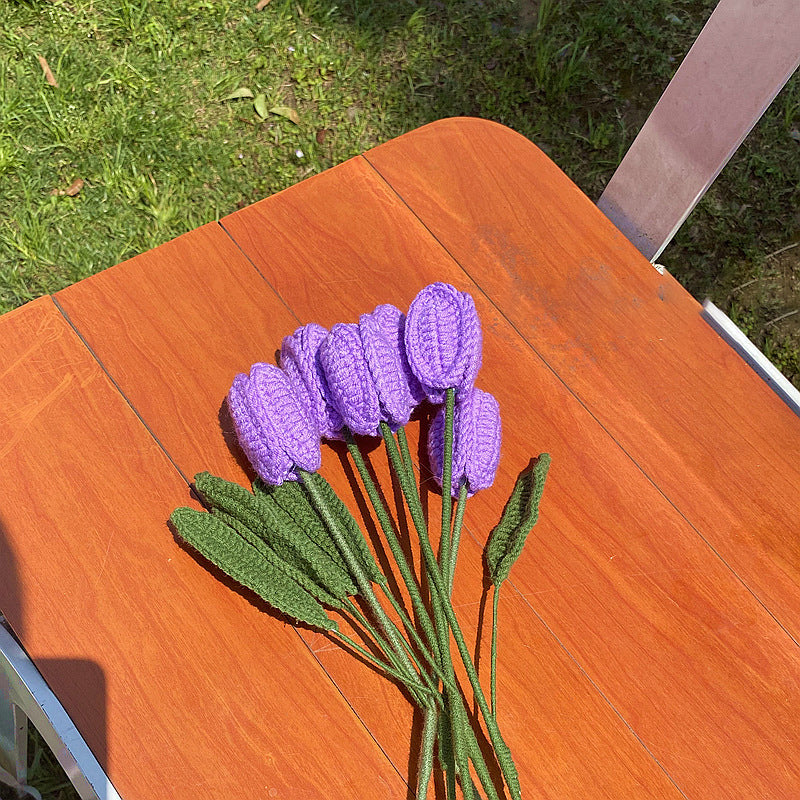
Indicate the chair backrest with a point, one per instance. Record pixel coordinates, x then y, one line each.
744 55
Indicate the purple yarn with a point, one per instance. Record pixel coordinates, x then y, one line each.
274 427
352 389
476 441
398 390
443 340
300 362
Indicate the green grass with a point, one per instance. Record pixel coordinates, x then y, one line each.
44 773
140 116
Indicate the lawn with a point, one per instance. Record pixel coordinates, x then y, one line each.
171 113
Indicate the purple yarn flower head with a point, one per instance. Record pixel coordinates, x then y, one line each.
443 340
476 441
398 390
274 427
352 388
300 361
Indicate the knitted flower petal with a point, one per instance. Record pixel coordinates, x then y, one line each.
300 362
476 441
443 340
272 424
382 338
352 389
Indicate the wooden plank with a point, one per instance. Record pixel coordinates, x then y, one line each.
628 342
203 274
181 687
677 644
560 727
186 318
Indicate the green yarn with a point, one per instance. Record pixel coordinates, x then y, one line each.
519 516
229 497
350 529
426 758
446 754
289 499
290 569
236 557
279 531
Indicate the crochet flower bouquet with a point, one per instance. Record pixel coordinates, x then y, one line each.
292 540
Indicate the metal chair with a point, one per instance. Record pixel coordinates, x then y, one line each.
740 61
24 696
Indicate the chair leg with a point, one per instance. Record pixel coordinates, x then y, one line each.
13 740
24 695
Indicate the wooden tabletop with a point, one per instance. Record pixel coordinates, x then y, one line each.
649 644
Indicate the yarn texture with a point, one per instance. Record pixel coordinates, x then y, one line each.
476 441
352 388
294 542
443 340
225 548
399 392
273 425
300 361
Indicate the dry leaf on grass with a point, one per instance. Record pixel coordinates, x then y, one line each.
72 190
262 4
286 112
48 73
260 105
238 94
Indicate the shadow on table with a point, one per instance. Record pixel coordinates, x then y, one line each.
79 684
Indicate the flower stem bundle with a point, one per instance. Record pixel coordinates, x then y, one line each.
294 542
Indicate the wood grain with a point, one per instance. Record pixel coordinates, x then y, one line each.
628 342
182 687
672 638
560 727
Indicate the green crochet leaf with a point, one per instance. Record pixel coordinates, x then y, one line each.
290 502
519 516
225 548
230 497
274 558
352 529
292 498
275 527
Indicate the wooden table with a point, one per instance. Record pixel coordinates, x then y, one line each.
649 645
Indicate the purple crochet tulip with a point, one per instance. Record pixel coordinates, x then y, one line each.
443 340
399 391
352 389
476 441
274 427
300 362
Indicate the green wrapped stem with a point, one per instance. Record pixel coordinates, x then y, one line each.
312 480
457 526
447 481
427 752
441 599
382 665
495 599
381 642
394 545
